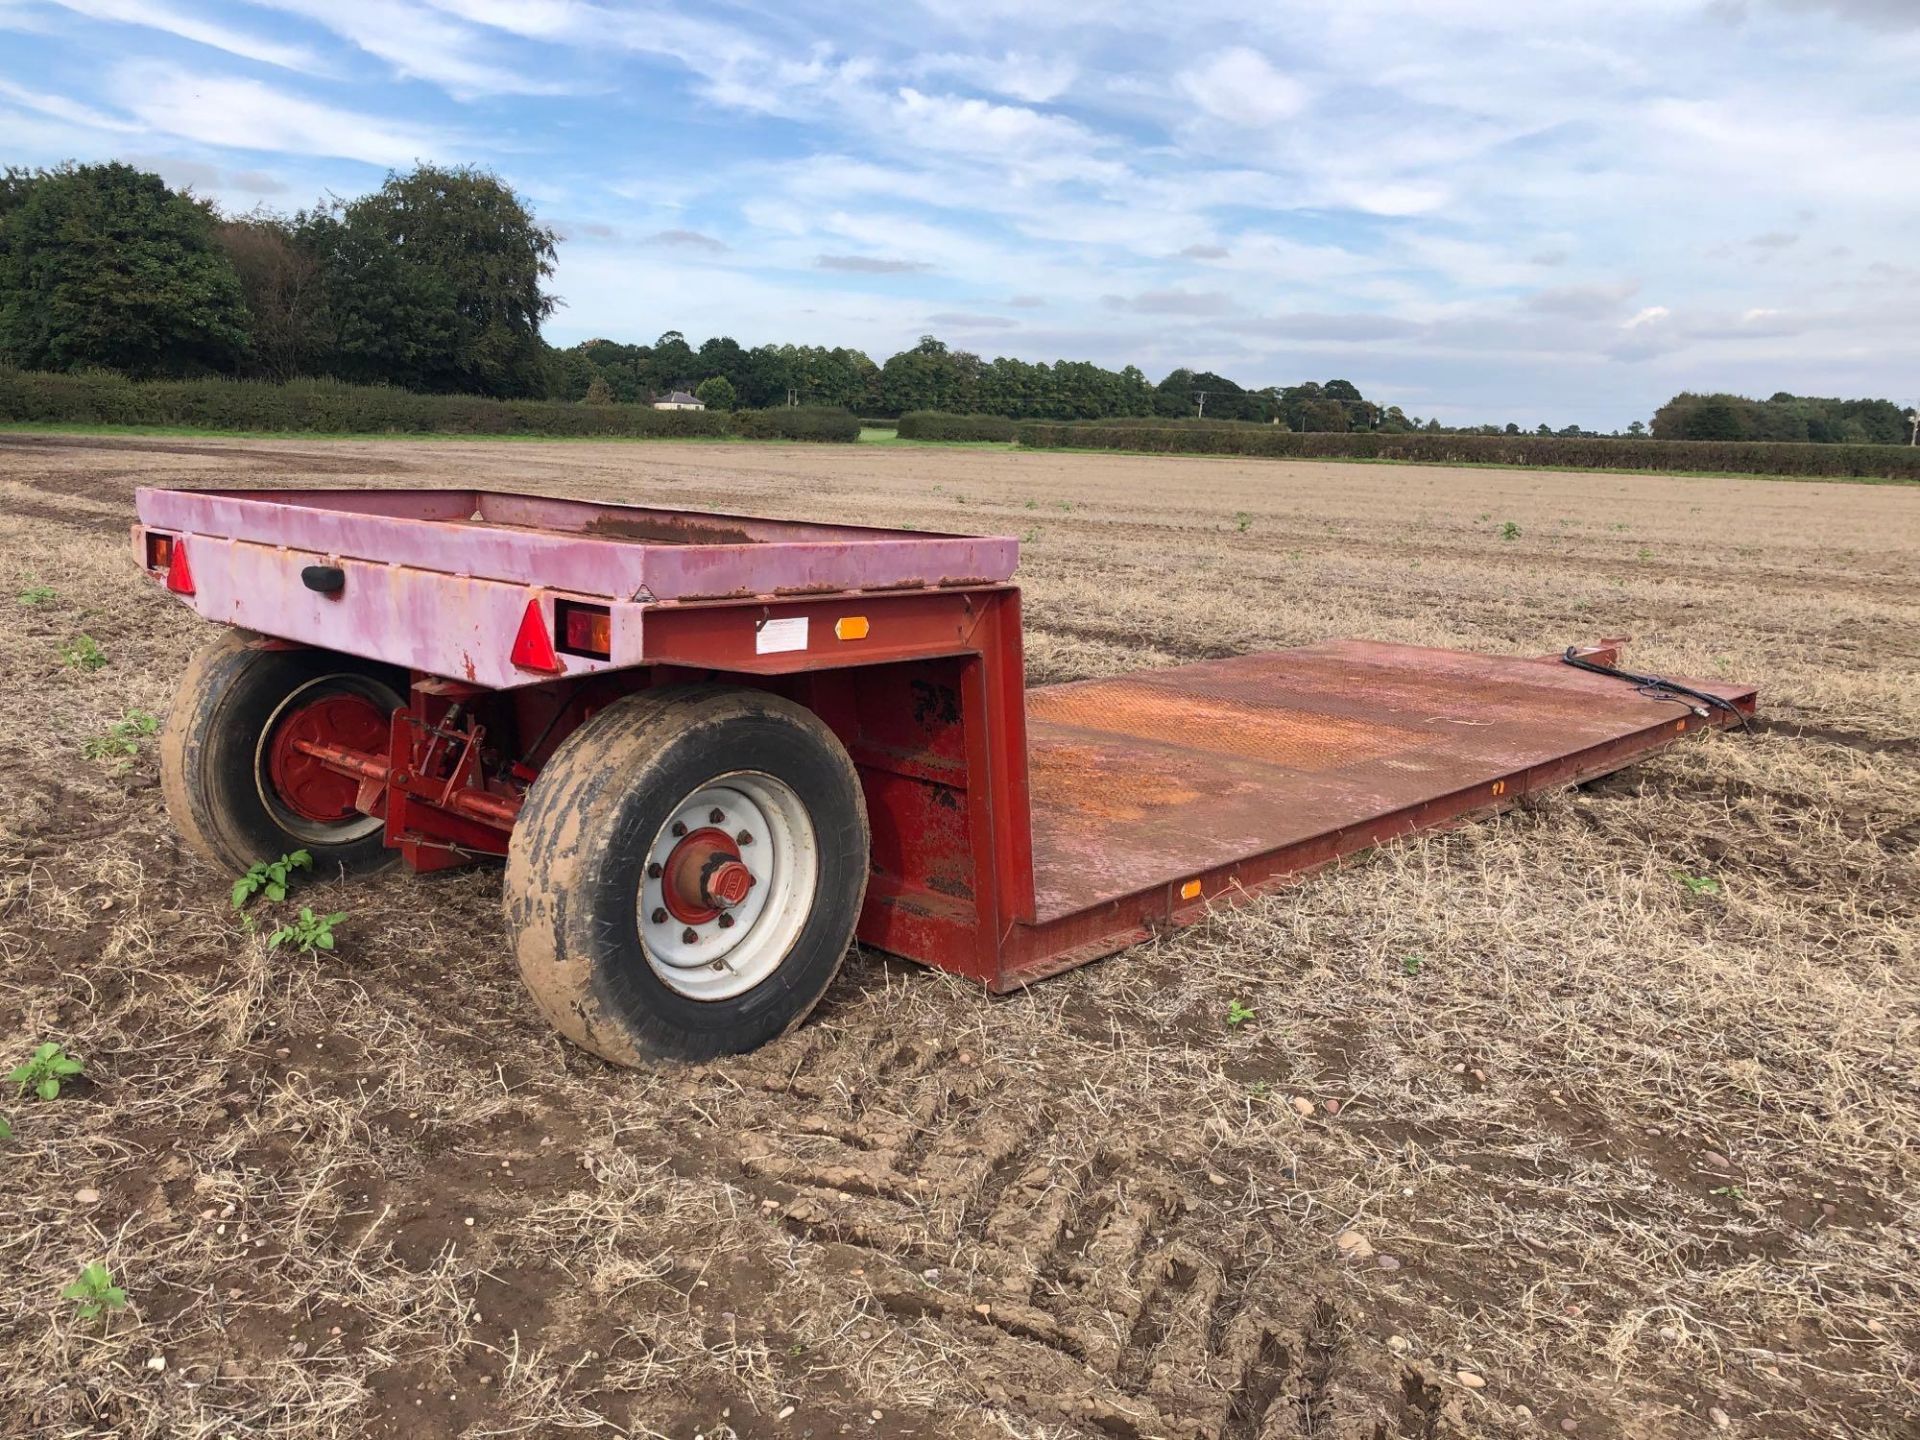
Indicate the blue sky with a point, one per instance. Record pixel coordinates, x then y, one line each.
1475 209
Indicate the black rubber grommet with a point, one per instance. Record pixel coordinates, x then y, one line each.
326 579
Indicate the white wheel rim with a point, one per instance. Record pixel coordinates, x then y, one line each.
314 832
744 944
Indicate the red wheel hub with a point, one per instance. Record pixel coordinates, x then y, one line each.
302 783
703 876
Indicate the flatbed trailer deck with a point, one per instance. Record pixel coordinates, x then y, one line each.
1004 834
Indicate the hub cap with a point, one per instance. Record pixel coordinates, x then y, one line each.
728 885
305 797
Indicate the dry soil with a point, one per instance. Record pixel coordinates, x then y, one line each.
1598 1118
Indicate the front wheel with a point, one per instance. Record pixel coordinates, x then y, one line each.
685 877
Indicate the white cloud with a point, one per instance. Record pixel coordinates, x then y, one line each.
1034 79
1389 197
982 127
1587 301
1239 86
246 114
59 107
1753 142
735 67
535 19
964 321
156 16
1174 302
421 44
23 17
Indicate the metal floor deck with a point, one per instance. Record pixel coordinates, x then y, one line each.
1145 779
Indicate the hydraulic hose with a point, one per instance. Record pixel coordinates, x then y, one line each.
1656 687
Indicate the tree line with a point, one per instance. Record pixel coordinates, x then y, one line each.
433 282
1783 417
436 283
934 376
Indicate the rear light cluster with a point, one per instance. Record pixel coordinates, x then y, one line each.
584 630
167 554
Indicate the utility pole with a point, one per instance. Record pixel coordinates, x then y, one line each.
1201 396
1913 419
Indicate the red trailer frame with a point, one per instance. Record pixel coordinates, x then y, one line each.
1014 835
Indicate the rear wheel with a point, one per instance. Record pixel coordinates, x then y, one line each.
237 782
686 874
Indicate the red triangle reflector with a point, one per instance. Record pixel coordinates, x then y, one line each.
179 573
533 646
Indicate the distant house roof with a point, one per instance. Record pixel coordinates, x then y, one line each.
681 397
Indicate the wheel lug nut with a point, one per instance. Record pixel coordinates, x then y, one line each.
716 815
745 837
659 916
678 830
653 870
689 935
726 921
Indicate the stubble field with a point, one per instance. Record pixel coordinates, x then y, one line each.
1528 1134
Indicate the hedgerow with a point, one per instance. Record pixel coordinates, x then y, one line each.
324 406
1587 453
1173 422
938 425
798 422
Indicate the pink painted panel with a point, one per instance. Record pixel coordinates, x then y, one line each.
454 626
589 566
591 549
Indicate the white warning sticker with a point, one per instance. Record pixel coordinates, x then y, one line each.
776 636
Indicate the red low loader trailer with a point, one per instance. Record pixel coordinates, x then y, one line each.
714 749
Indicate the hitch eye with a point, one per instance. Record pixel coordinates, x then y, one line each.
159 551
585 630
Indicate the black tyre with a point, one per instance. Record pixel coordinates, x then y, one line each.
685 877
238 789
